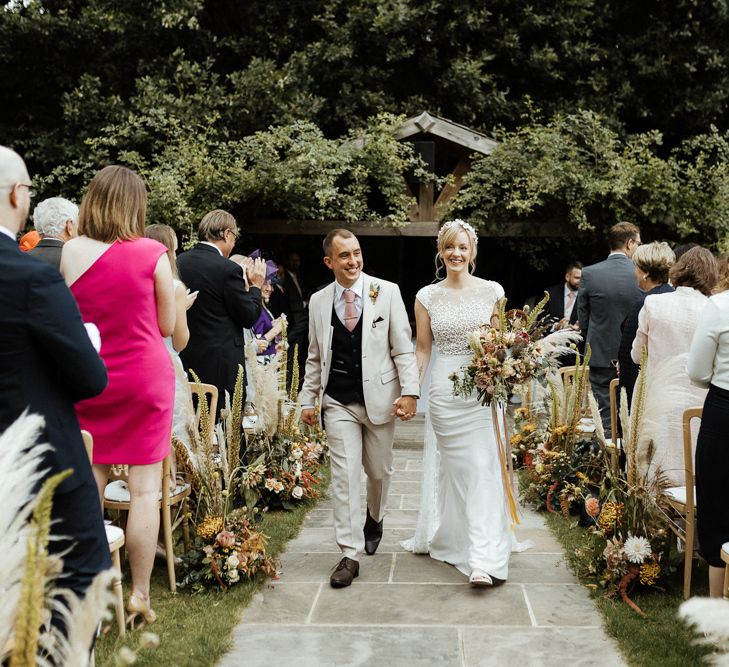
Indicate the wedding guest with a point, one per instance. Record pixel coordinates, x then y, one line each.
277 302
562 296
666 324
297 313
607 291
47 363
183 416
652 263
123 283
708 367
268 328
56 220
224 307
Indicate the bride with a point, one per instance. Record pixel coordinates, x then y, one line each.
463 518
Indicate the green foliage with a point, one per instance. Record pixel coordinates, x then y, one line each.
577 169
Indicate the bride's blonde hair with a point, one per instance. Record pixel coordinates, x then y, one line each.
447 235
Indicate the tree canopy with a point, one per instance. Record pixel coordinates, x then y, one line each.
262 105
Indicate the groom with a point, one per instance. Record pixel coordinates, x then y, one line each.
361 367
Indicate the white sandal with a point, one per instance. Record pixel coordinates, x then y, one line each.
480 579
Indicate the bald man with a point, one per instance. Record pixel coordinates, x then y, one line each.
47 363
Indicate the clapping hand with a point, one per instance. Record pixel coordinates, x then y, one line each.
255 271
190 299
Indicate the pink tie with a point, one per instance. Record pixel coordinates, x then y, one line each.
571 296
350 310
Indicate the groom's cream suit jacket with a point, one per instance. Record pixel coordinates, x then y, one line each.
389 369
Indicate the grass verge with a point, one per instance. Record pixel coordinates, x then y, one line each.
195 629
661 638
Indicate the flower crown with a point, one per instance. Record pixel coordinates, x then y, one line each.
463 225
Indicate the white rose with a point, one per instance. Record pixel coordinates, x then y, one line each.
233 561
297 492
233 576
297 454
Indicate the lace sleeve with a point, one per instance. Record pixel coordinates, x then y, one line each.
423 295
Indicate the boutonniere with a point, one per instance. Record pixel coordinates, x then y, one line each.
374 292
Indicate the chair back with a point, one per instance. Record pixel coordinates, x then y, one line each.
688 453
567 375
210 392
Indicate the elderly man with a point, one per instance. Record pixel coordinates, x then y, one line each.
223 307
47 363
56 220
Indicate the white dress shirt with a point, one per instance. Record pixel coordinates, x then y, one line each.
708 360
339 302
7 232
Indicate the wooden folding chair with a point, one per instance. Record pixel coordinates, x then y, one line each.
115 538
567 375
682 500
210 392
616 443
725 558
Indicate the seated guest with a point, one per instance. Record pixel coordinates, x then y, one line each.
652 262
56 220
123 283
722 270
708 367
47 363
666 325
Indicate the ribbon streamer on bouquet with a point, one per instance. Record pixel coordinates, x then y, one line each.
507 469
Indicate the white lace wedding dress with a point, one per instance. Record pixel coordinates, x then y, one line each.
463 517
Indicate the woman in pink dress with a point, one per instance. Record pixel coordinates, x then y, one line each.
123 284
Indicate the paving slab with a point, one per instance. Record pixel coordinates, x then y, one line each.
408 610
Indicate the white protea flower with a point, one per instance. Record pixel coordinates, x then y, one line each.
636 549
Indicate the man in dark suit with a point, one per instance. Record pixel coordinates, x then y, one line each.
607 291
47 363
562 297
561 306
297 314
56 220
223 307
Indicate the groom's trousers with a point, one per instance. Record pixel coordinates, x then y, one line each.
355 442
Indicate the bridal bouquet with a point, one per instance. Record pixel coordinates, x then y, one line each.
508 357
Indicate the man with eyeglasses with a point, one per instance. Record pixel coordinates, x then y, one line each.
47 363
223 307
607 291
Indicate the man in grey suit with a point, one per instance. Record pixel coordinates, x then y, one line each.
56 220
607 291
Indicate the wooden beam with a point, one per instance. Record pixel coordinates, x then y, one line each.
452 187
426 206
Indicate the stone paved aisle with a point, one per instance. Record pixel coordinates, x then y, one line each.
406 610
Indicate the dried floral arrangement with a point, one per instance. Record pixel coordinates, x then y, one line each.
506 358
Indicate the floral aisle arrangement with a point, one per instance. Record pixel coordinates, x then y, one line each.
227 548
508 357
627 539
560 453
283 460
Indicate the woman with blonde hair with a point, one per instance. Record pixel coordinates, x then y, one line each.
123 284
652 262
469 528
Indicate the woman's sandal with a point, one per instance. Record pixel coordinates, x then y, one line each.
480 579
140 612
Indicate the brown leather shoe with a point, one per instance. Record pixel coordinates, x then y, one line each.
344 573
372 534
